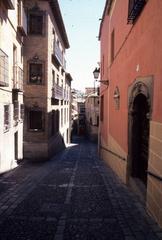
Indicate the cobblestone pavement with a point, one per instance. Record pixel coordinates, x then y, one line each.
74 196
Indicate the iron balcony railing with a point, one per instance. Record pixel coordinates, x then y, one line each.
66 95
4 69
135 8
57 92
59 55
17 78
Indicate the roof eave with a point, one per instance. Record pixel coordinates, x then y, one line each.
59 20
106 10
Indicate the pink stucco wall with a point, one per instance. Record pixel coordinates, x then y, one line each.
137 46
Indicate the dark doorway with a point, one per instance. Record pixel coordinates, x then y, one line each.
140 138
67 136
16 145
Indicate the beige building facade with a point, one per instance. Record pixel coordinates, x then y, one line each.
47 84
92 116
13 28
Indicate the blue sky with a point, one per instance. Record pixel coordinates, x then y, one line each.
81 19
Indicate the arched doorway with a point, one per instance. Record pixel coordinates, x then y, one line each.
140 138
139 114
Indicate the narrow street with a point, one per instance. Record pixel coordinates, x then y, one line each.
72 196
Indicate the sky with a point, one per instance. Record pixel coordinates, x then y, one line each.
81 20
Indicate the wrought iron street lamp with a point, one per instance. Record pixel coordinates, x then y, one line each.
96 73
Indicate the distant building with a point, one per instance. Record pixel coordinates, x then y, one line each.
78 111
13 28
92 116
89 90
131 109
81 118
46 84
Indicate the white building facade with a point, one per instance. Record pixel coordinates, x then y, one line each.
13 28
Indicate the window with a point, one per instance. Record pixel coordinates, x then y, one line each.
36 120
22 111
134 9
112 46
36 23
102 108
53 78
35 73
6 117
97 121
19 17
4 69
16 111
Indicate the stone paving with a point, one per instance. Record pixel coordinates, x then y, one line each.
74 196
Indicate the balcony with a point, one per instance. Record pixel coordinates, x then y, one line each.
9 4
135 8
57 92
4 70
58 55
17 78
66 95
22 20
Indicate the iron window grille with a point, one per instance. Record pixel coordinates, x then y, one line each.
22 111
4 69
134 9
6 117
36 73
16 111
17 78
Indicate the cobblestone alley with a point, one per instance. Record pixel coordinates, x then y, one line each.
74 196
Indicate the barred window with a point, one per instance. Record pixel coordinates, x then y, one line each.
134 9
35 73
6 117
4 69
22 111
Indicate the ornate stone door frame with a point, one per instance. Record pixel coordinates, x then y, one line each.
141 85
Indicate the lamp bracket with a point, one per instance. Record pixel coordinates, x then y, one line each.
105 82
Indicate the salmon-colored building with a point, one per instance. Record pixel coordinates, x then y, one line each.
130 104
